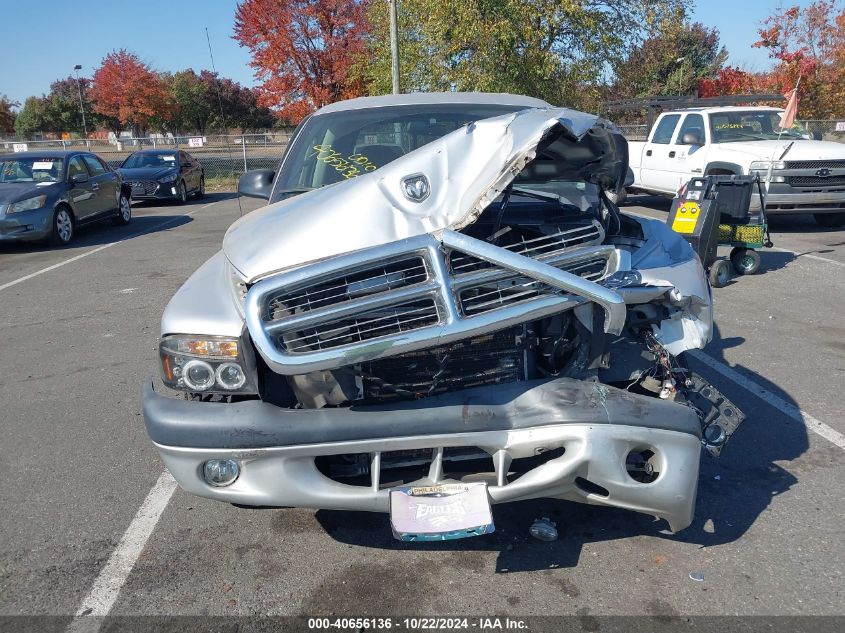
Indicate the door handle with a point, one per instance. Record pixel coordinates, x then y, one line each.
648 152
672 154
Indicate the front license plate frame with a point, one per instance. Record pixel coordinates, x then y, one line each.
440 512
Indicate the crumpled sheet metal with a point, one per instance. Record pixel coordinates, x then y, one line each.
466 170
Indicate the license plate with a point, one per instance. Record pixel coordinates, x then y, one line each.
440 513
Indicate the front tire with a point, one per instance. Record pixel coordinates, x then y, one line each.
182 194
62 227
830 220
201 190
124 211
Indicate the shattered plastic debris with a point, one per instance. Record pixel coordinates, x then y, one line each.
543 529
697 576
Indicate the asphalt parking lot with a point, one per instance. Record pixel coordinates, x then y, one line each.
79 331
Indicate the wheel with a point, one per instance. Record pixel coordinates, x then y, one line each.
830 220
62 227
182 193
617 198
124 211
746 261
201 190
720 273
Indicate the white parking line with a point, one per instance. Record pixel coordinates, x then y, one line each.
103 594
816 426
104 247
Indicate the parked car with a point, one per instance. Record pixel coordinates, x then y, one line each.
806 176
162 174
440 310
48 195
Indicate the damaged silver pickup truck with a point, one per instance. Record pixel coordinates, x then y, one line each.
440 310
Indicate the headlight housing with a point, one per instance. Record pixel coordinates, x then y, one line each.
763 165
30 204
169 177
206 364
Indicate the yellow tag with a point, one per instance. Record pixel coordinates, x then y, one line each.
686 217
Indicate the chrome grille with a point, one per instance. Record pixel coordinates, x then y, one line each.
143 187
363 327
507 289
338 289
545 246
815 164
401 297
817 181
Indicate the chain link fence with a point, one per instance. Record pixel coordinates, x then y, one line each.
223 158
828 130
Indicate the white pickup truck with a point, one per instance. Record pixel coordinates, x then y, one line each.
804 176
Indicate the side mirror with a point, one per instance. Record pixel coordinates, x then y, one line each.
257 183
79 179
692 138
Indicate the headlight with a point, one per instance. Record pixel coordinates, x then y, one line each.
169 177
205 364
26 205
763 165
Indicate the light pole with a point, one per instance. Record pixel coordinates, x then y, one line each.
394 47
77 68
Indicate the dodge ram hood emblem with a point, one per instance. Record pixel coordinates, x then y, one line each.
416 187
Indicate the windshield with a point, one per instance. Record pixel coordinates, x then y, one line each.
750 125
149 160
342 145
31 170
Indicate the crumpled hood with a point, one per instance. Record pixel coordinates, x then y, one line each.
14 191
466 171
800 150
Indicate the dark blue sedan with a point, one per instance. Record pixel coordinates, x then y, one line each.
163 174
47 195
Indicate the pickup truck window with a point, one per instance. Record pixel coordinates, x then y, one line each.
749 125
341 145
665 129
693 124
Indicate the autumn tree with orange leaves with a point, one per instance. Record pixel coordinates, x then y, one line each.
127 92
304 51
808 43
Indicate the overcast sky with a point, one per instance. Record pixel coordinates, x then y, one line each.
44 40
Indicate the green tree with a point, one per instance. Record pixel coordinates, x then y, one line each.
557 50
62 105
7 115
195 102
33 118
671 62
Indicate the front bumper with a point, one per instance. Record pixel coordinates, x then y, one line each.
27 225
160 191
784 199
595 425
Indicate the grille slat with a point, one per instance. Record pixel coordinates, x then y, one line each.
817 181
815 164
